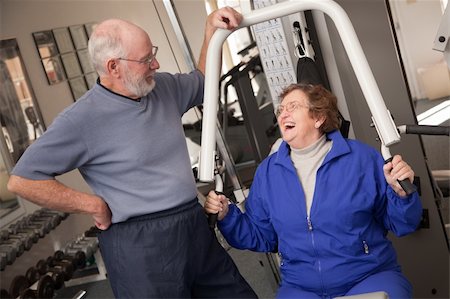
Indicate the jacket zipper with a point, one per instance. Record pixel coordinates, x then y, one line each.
319 265
366 247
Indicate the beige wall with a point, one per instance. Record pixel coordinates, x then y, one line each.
193 26
20 18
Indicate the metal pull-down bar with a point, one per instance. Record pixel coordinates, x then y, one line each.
384 124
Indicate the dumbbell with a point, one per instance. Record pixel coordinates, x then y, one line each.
18 284
25 238
23 226
26 222
45 211
46 224
31 233
51 265
14 243
4 234
9 253
28 232
3 262
34 275
92 232
19 227
77 253
44 288
72 248
90 242
54 219
45 266
78 258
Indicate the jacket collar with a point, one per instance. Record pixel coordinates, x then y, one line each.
340 147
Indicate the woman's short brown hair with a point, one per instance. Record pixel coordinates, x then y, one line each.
322 103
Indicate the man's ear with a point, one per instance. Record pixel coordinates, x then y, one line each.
113 67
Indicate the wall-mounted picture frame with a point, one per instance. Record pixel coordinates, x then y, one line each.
85 61
79 36
71 65
45 43
63 40
91 79
78 87
53 69
89 27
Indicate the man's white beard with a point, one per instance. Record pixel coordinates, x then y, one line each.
137 85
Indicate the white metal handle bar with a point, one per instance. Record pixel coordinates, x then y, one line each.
382 119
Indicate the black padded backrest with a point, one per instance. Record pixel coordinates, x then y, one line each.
307 71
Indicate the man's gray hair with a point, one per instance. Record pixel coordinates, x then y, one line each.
104 45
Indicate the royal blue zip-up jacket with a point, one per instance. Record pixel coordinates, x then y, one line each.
345 238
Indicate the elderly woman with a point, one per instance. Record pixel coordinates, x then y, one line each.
325 204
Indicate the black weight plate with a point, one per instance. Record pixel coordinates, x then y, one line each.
27 294
18 284
32 275
58 280
45 287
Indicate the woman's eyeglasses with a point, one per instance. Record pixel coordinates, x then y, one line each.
291 106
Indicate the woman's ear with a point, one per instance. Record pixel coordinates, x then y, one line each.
319 121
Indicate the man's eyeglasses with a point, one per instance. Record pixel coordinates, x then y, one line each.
147 61
291 106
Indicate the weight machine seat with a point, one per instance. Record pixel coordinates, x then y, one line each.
374 295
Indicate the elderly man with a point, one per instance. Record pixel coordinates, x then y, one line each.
125 136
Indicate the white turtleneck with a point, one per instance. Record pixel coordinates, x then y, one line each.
307 161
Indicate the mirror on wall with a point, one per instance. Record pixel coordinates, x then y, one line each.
20 119
10 205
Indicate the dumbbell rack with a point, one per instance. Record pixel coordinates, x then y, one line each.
87 275
68 237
